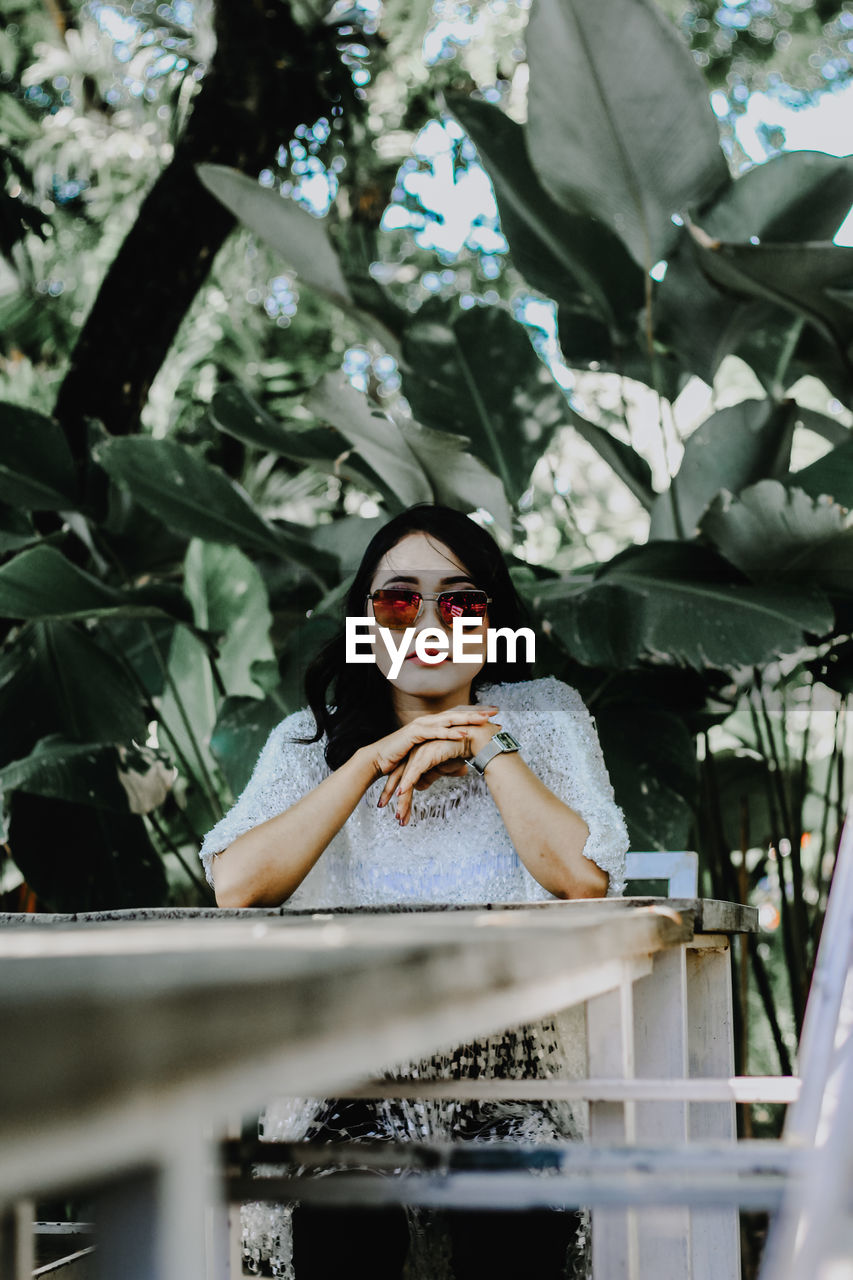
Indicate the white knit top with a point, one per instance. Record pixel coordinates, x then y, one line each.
455 849
467 855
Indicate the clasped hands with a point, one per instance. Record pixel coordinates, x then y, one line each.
425 749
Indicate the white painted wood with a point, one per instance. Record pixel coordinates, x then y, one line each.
660 1049
679 868
715 1234
251 1011
813 1235
610 1051
17 1246
831 973
778 1089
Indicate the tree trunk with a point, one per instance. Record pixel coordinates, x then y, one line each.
261 84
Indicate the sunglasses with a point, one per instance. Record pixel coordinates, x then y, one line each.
398 608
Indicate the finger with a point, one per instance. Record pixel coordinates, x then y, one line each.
390 784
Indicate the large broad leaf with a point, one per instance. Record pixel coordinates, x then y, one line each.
228 596
796 196
569 257
379 440
832 474
41 583
619 123
36 467
16 529
702 323
478 376
56 678
813 280
80 772
236 412
733 448
678 603
651 760
242 727
300 237
190 495
408 458
80 858
630 466
781 534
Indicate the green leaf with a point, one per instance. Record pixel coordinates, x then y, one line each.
619 123
190 495
301 238
100 861
678 603
36 466
651 759
379 441
735 447
298 236
241 730
40 583
238 414
804 278
832 474
479 377
80 772
228 596
16 530
569 257
781 534
797 196
631 468
57 679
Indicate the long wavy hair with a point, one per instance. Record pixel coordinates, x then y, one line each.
352 703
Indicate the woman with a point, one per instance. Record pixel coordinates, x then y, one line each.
401 797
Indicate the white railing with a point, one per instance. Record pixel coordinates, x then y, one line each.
130 1044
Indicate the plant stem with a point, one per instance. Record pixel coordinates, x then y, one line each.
163 835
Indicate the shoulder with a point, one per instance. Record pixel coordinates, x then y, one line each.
282 745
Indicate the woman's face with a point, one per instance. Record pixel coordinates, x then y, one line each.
419 562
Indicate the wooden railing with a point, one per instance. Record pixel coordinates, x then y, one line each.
132 1038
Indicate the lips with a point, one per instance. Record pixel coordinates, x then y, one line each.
413 657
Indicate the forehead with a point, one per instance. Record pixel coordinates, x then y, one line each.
419 555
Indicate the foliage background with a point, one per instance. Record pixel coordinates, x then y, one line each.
214 388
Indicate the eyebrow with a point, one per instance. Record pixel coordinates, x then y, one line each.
444 582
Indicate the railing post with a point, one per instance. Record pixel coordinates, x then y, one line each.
660 1051
610 1053
710 1040
17 1246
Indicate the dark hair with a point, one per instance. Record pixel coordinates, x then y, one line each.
361 709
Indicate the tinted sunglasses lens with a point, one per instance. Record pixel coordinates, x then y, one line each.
462 604
395 609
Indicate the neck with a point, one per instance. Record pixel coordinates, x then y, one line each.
408 706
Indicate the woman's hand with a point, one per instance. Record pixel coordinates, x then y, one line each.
428 761
451 726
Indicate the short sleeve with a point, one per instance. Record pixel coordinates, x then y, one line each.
565 753
285 771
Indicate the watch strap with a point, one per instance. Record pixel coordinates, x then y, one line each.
503 741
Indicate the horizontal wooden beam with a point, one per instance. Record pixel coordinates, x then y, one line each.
742 1089
507 1176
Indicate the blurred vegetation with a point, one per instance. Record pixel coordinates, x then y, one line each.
636 369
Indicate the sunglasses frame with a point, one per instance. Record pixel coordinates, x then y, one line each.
457 591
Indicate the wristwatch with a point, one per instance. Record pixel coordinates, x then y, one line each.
502 741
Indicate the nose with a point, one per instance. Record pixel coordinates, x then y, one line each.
430 616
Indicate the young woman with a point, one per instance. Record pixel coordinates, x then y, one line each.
427 782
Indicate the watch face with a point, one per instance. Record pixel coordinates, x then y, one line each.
506 740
